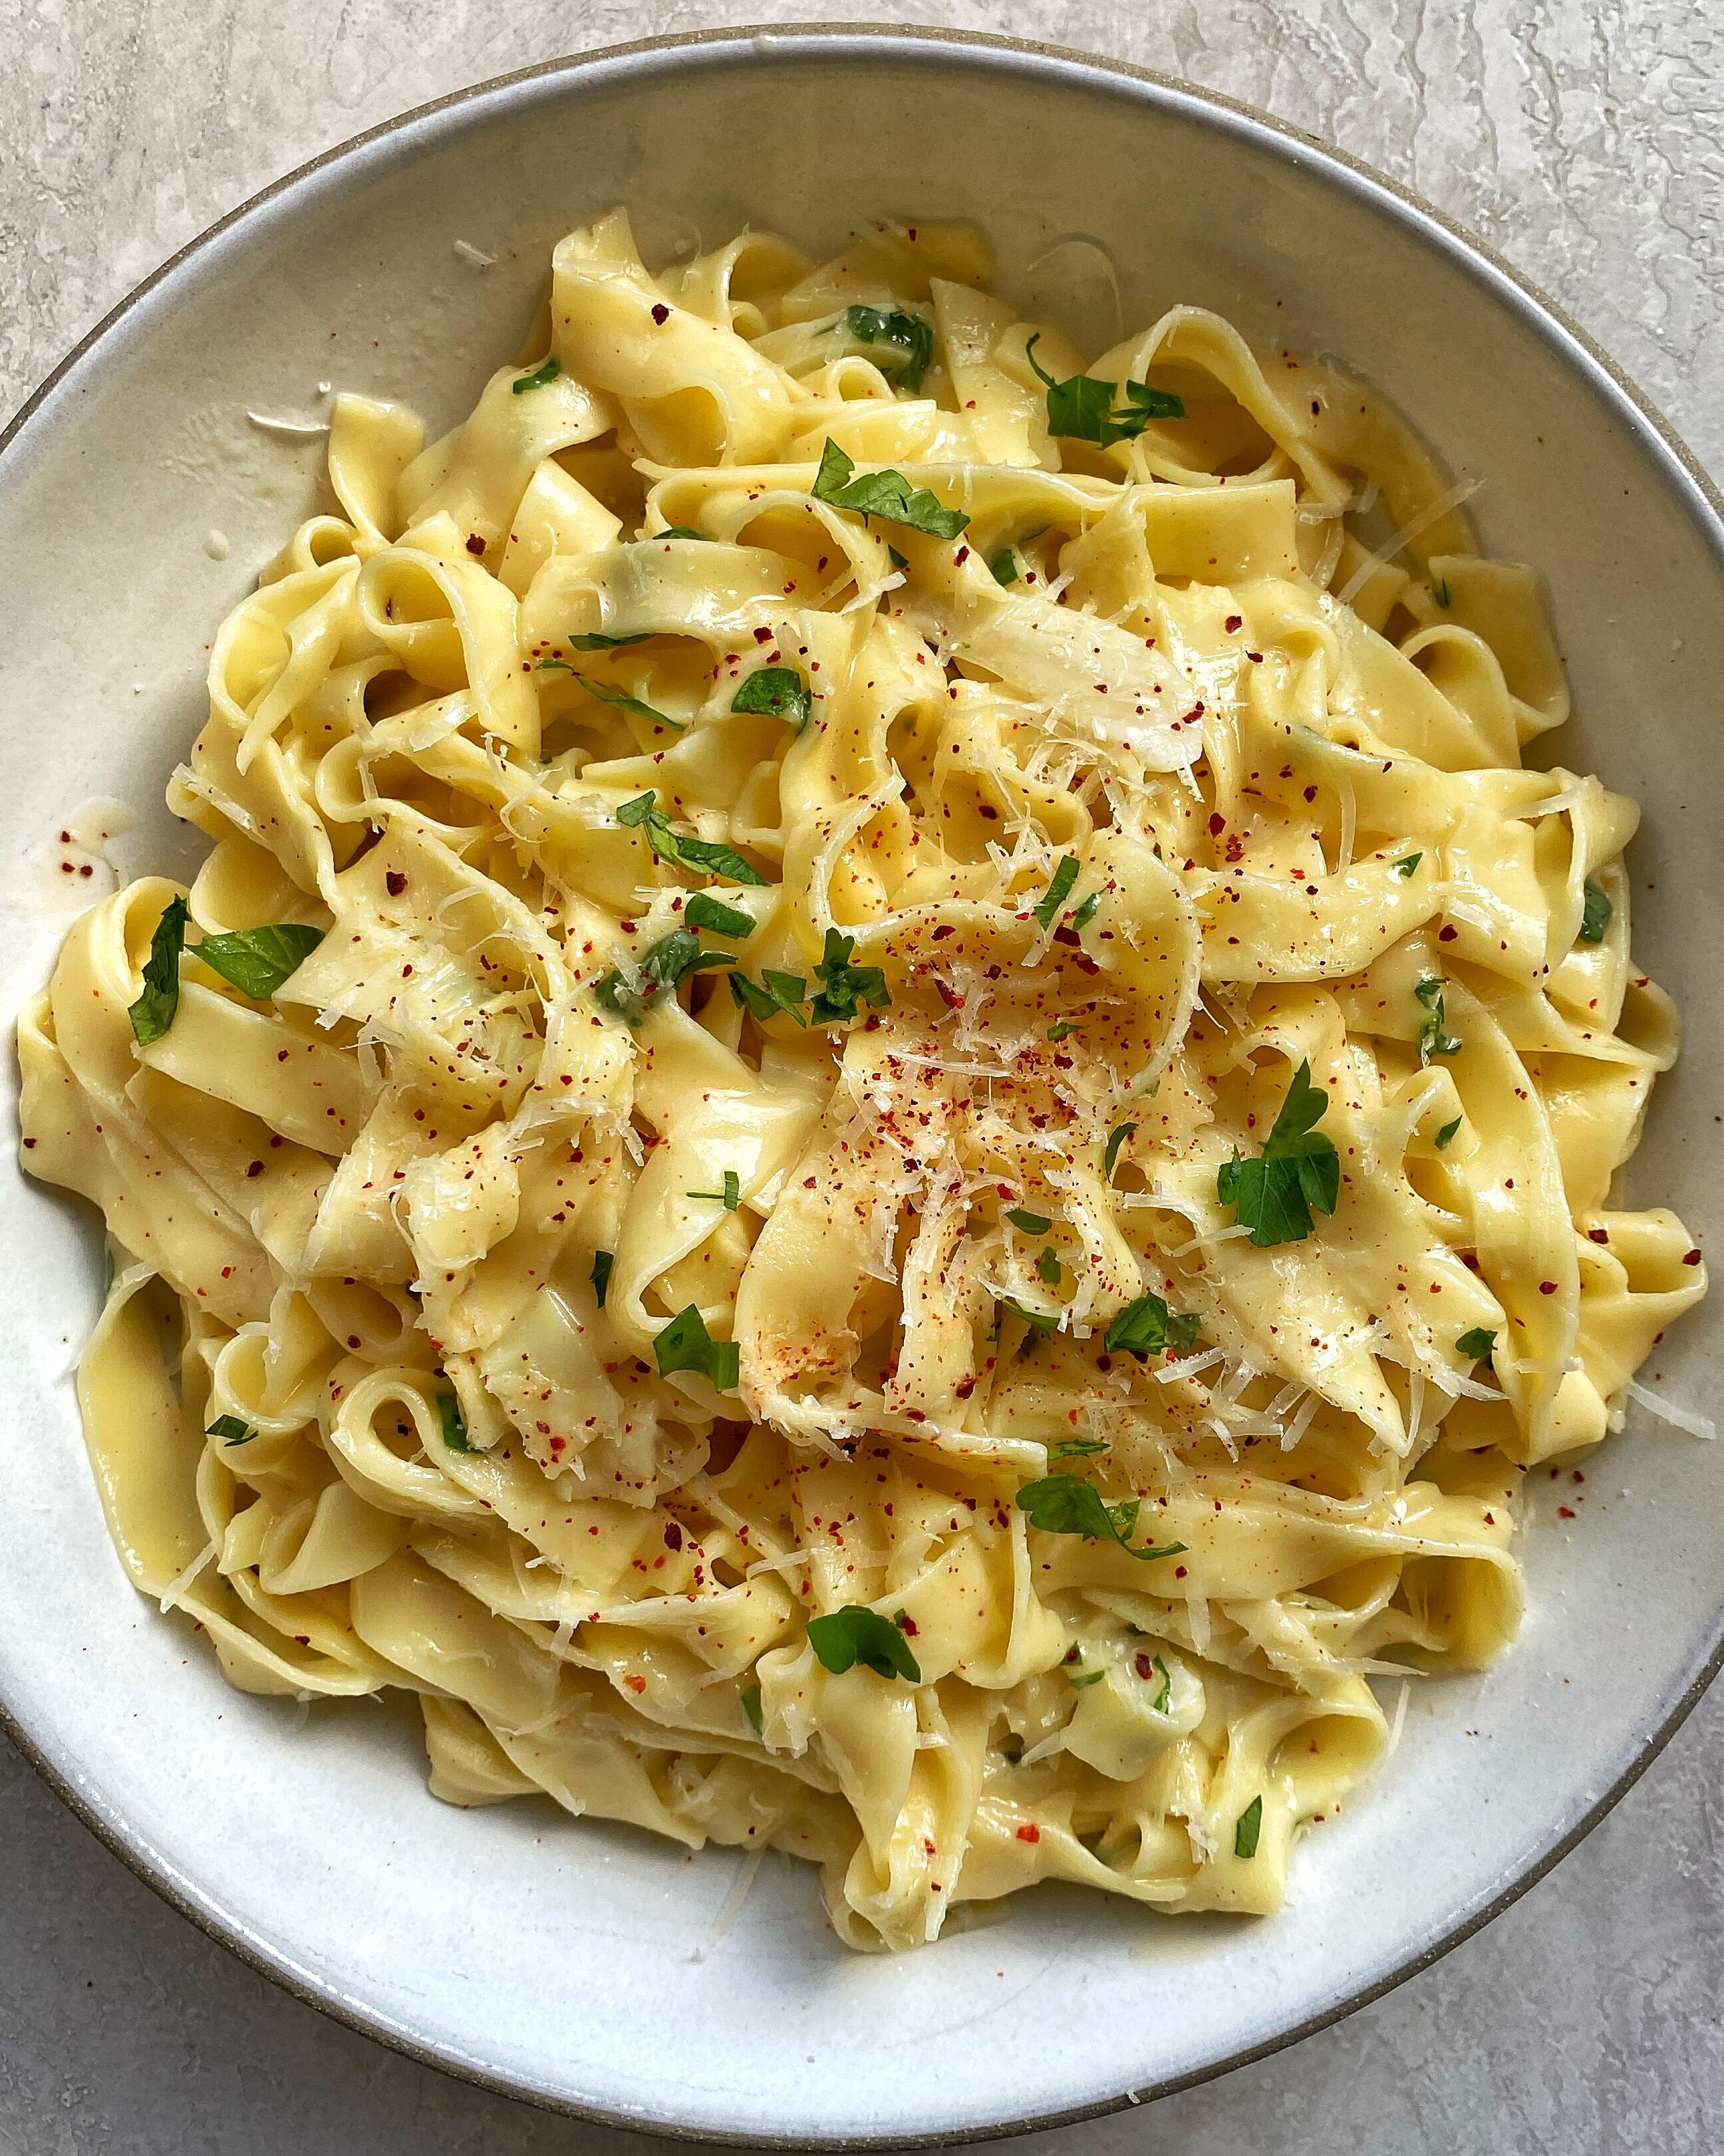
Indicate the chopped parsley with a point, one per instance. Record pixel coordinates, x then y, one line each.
1446 1134
1053 901
1063 1505
591 640
1060 1027
1158 1705
1082 409
1115 1138
1479 1343
537 379
1434 1036
1297 1170
624 701
661 965
1088 910
1407 864
908 335
1083 1682
842 983
1074 1448
1250 1826
779 692
1148 1327
231 1430
153 1012
779 992
704 911
257 961
1032 1223
857 1633
1004 568
455 1423
730 1197
1041 1321
600 1276
884 493
1047 1266
1596 918
750 1709
669 845
685 1344
1439 590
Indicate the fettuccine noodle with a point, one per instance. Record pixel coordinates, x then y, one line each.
900 1167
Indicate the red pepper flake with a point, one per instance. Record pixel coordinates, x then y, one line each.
1030 1833
1546 1287
762 636
1691 1257
256 1168
661 315
1446 934
1603 1235
1564 1513
1217 824
475 545
396 881
1143 1665
673 1535
1234 621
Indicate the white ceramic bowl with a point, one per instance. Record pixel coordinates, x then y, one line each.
573 1963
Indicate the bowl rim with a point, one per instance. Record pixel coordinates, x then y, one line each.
1579 353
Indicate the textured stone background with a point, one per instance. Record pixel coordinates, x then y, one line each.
1585 139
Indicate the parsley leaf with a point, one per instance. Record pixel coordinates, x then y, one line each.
1158 1705
1042 1321
592 641
1088 910
729 1197
704 911
231 1430
257 961
1082 408
1447 1132
1053 901
537 379
455 1423
685 1344
1032 1223
607 694
1250 1826
908 334
1004 568
750 1698
1477 1343
784 993
1434 1037
778 691
884 493
1088 1677
1439 590
1063 1505
1060 1027
1296 1170
1115 1138
677 531
842 982
1047 1266
1596 919
669 845
1148 1327
153 1012
603 1261
1407 864
857 1633
662 965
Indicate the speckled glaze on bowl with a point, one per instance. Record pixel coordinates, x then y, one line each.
580 1965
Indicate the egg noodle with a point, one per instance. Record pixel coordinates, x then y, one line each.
887 1120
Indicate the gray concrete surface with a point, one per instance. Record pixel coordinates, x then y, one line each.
1583 137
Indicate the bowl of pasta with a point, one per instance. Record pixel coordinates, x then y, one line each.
834 1039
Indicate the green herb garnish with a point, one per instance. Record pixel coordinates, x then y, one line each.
704 911
257 961
1295 1171
1088 910
231 1430
1063 1505
779 692
857 1633
884 493
1075 1448
1082 407
685 1344
1250 1825
1004 568
1158 1705
1115 1138
1060 1027
600 1276
662 965
1434 1036
669 845
750 1709
455 1423
591 640
1596 917
1042 1320
624 702
1439 590
729 1197
1032 1223
1088 1678
1447 1133
842 983
784 993
1148 1327
1407 864
1053 901
1479 1343
548 371
909 335
153 1012
1047 1266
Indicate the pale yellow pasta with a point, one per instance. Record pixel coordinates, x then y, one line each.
1189 761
